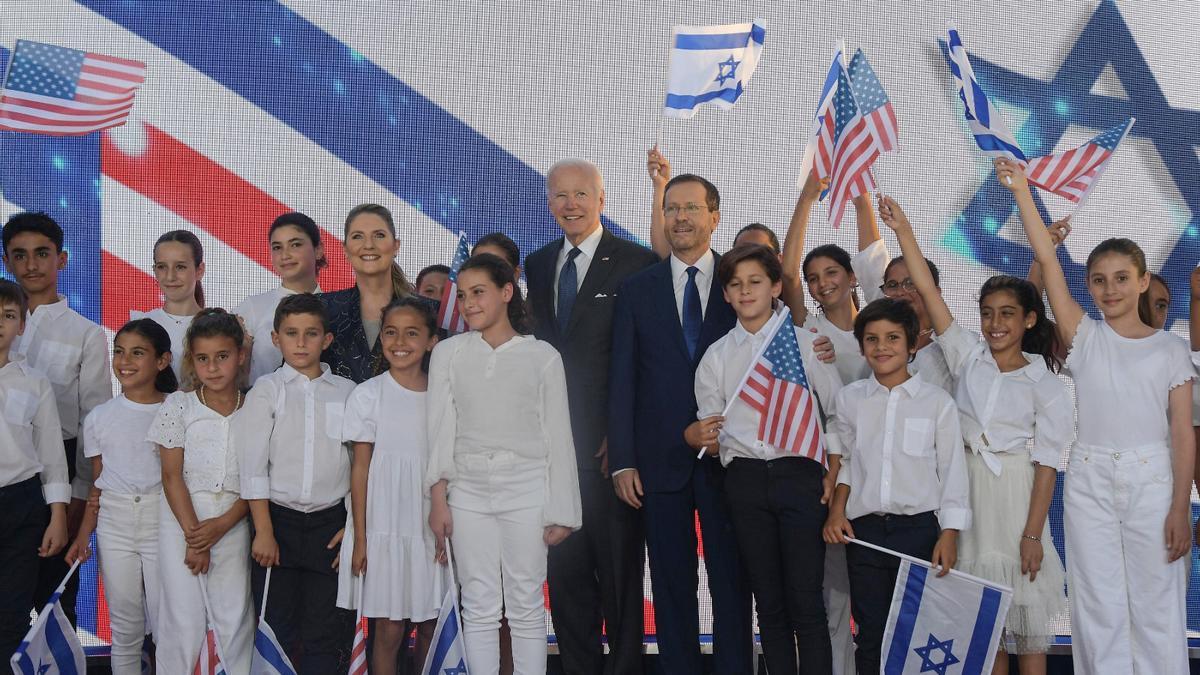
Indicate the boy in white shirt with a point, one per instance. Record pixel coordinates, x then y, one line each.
295 474
33 473
72 352
775 483
903 480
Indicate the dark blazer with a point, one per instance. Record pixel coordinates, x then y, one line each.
652 396
349 355
587 343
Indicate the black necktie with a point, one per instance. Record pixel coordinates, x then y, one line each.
568 289
692 316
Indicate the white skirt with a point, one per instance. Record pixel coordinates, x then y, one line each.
991 549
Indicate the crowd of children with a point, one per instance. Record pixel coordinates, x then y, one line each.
251 440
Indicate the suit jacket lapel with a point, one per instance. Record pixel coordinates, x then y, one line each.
599 269
543 299
715 311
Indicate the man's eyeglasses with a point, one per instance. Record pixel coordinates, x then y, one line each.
690 209
894 287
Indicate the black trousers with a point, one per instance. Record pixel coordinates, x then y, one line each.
52 570
777 516
873 574
23 520
595 576
302 607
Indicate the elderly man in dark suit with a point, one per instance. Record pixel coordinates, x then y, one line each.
596 575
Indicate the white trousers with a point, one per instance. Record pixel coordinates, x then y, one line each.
182 623
1128 604
837 608
127 546
496 502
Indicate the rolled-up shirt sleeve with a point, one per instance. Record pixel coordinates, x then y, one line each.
842 425
48 441
252 437
954 510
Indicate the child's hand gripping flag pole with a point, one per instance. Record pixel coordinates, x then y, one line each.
447 652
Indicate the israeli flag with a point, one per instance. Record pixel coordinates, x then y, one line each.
269 657
949 624
711 65
51 646
447 653
991 134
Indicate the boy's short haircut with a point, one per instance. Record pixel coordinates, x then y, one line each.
888 309
759 227
933 269
749 252
32 221
301 303
432 269
13 294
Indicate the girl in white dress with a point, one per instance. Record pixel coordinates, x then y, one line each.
203 536
178 269
1017 420
1127 496
393 547
502 471
296 256
129 488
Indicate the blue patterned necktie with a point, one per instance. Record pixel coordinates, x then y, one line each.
568 289
692 316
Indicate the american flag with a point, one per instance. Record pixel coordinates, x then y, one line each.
449 318
1073 173
777 388
874 103
209 661
854 151
819 154
358 653
67 92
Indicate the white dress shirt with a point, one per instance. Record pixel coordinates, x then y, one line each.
176 326
512 398
849 360
258 313
721 371
116 432
289 440
583 261
1024 411
1123 384
210 462
73 353
930 364
704 277
30 433
902 451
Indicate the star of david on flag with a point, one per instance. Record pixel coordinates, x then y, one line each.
777 387
939 622
450 319
51 646
67 92
1073 174
447 651
991 134
710 65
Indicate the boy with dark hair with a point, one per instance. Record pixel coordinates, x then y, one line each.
72 352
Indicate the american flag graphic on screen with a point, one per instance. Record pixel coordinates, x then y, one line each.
449 318
67 92
778 389
1073 173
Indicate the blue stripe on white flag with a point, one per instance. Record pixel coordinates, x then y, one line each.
720 40
684 102
445 641
56 640
906 621
985 625
267 649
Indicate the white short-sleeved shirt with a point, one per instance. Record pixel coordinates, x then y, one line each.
116 432
258 312
720 372
210 462
1123 384
848 358
176 327
30 434
902 451
511 398
1027 410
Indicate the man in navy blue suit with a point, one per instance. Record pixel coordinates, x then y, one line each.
666 316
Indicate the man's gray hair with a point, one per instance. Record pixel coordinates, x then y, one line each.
576 163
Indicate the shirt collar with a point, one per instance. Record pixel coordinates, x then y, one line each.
740 334
289 373
1035 368
514 341
16 362
587 247
910 386
705 264
53 308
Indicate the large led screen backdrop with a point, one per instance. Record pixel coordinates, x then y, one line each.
449 113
